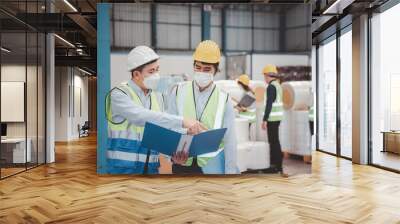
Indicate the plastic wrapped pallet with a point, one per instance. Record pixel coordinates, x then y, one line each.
261 135
301 134
285 131
253 155
295 134
296 95
242 130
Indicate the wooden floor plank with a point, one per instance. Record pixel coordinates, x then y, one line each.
70 191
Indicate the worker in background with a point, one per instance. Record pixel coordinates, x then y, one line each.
202 100
273 116
129 106
311 116
248 112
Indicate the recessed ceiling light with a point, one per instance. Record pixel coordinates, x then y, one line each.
5 50
70 5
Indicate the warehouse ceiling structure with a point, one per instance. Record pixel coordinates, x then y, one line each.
74 22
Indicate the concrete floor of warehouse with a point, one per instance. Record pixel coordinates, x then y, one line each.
70 191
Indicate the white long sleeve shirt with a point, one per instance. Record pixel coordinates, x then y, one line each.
123 107
230 146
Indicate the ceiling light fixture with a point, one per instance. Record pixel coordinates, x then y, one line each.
5 50
84 71
338 6
64 40
70 5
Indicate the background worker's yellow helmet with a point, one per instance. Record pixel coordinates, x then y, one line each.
270 69
207 51
244 79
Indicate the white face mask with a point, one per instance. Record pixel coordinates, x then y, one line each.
203 79
151 82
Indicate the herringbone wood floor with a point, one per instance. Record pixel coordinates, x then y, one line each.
70 191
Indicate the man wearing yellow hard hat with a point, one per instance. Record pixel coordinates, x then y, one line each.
273 116
202 100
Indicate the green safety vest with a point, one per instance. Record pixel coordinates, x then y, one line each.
311 113
277 106
212 116
250 115
127 131
125 126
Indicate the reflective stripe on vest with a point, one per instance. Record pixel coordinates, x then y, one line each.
123 144
277 106
249 114
212 116
311 113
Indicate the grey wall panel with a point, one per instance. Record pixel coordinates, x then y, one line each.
266 20
136 12
196 36
239 39
196 15
173 36
298 16
216 35
129 34
216 17
236 17
266 40
296 40
173 13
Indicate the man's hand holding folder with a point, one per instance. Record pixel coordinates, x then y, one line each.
180 146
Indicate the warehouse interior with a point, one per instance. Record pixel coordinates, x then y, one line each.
50 119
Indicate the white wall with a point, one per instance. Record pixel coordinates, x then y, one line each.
173 63
68 82
182 63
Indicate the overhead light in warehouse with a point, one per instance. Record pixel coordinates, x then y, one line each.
84 71
70 5
5 50
64 40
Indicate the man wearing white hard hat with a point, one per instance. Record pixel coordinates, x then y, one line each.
129 106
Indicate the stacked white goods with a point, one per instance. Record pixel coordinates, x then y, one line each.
295 134
301 139
296 95
242 130
261 135
252 149
253 155
285 132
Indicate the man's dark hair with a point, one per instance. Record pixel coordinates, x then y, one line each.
215 65
140 68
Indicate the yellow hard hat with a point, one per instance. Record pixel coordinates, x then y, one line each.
244 79
270 69
207 51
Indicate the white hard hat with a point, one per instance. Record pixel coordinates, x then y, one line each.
139 56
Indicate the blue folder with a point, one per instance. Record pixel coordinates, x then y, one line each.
166 141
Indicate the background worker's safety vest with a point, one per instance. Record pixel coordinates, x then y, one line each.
277 106
311 113
212 115
124 154
249 114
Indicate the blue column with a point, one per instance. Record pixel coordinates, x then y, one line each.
205 23
223 31
103 82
